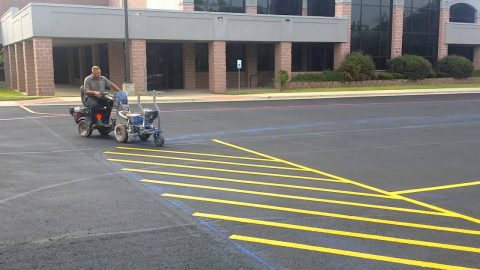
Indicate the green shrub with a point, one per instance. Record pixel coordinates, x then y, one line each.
433 74
476 73
334 75
307 77
455 66
411 67
397 76
385 76
358 67
282 78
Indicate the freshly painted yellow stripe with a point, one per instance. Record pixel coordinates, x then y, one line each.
324 214
337 232
205 161
193 153
426 205
437 188
292 197
223 170
348 253
259 183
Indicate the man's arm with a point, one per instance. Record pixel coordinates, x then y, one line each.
87 86
110 84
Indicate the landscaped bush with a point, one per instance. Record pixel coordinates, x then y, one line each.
326 76
433 74
307 77
385 76
412 67
397 76
455 66
358 67
476 73
282 78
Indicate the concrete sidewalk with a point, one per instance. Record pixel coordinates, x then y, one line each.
184 96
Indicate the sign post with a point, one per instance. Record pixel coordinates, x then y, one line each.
239 67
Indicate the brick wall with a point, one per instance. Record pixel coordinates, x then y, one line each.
20 66
116 62
115 3
476 57
283 57
301 85
341 50
442 45
7 66
217 66
251 10
189 77
29 65
186 6
251 67
13 66
397 31
6 4
138 64
43 62
201 80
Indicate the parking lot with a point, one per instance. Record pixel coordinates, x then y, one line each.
361 183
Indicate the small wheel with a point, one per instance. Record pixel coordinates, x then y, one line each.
121 133
104 130
84 128
159 140
144 137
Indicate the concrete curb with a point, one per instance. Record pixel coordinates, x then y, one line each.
205 97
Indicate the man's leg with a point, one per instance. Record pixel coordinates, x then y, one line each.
92 104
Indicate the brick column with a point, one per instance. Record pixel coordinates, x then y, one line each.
116 62
20 66
29 67
13 66
6 65
397 28
283 58
217 64
138 64
115 3
186 5
43 62
304 8
442 45
251 6
189 71
343 8
476 57
252 65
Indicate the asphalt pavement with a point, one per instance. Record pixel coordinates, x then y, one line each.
354 183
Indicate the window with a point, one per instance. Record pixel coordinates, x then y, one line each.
462 13
420 28
325 8
279 7
201 57
312 56
371 29
235 52
462 50
233 6
266 57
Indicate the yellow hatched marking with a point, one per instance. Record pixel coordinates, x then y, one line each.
337 232
193 153
325 214
204 161
348 253
426 205
223 170
292 197
437 188
259 183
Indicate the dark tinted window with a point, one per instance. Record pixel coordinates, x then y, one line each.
462 50
279 7
265 57
371 29
234 6
235 52
201 57
312 56
462 13
325 8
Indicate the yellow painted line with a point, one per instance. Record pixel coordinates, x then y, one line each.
293 197
337 232
426 205
325 214
204 161
348 253
258 183
223 170
193 153
437 188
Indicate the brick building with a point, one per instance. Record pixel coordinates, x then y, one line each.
188 44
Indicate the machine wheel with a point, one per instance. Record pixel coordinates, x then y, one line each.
121 133
159 140
84 128
144 137
104 130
